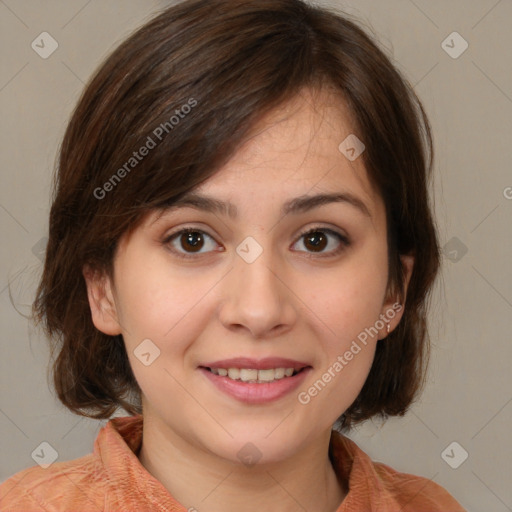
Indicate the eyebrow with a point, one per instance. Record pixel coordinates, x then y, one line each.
297 205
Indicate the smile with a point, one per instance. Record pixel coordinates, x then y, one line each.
255 381
252 375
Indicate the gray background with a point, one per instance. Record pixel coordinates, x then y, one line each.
469 101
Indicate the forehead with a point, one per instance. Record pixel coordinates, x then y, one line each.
289 162
295 150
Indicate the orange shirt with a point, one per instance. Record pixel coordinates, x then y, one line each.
112 479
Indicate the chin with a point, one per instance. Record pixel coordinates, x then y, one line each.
257 446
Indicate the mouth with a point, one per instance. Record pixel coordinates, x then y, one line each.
256 381
254 376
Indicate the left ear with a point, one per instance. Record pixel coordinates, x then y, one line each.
101 301
393 308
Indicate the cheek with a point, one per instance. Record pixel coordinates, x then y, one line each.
350 298
348 340
154 298
161 307
344 305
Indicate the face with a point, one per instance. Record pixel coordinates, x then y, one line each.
257 293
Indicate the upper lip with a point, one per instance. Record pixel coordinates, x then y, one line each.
256 364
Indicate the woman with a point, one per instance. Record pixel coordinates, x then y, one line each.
240 255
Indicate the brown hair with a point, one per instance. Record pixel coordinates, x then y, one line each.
208 70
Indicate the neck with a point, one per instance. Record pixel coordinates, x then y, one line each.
200 480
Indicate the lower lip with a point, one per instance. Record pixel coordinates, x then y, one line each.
255 393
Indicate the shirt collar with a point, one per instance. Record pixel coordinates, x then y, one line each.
132 486
119 442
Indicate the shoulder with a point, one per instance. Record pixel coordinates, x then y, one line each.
377 486
415 493
61 486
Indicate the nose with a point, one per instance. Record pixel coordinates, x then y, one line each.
257 298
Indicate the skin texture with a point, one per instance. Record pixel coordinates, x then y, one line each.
284 304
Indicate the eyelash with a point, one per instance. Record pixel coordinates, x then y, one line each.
344 240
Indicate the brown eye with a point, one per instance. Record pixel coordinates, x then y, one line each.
192 240
316 240
188 241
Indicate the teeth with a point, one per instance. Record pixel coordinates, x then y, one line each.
279 373
234 373
253 375
266 375
247 375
